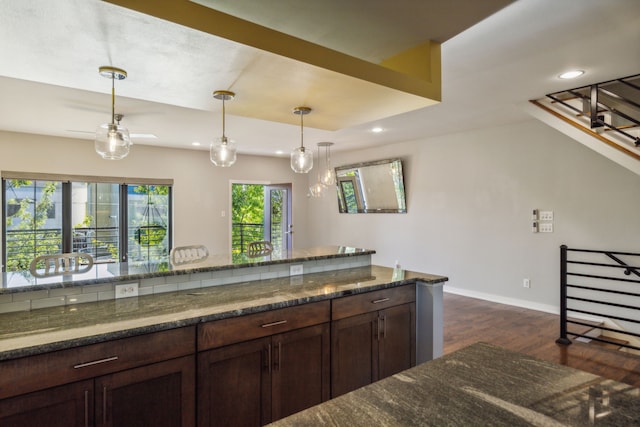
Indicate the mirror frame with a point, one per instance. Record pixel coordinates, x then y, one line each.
343 181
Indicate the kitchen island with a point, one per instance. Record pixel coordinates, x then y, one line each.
173 356
481 385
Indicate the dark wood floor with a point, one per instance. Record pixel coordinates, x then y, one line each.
469 320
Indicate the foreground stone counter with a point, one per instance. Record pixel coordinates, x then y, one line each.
37 331
481 385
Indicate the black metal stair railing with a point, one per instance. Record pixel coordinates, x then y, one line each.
613 105
593 287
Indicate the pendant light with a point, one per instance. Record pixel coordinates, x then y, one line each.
318 189
328 175
112 140
301 158
223 150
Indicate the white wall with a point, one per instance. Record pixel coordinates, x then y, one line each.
469 199
201 190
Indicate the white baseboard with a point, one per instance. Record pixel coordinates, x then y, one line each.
503 300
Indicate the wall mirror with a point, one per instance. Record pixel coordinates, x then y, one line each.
371 187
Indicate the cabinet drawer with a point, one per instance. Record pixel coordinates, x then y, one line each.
237 329
371 301
65 366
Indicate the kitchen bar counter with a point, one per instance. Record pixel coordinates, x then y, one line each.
101 273
32 332
481 385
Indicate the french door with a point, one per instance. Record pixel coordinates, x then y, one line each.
278 228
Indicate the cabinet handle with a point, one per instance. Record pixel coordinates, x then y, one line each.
95 362
278 360
104 405
378 301
86 408
279 322
384 326
268 366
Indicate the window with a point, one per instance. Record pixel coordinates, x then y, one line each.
113 221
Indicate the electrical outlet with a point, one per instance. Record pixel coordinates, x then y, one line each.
127 290
526 283
295 270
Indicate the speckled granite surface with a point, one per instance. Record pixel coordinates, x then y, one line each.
114 272
48 329
481 385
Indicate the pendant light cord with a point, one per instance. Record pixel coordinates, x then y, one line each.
113 100
224 138
302 132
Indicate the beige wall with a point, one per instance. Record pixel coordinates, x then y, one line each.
201 190
469 199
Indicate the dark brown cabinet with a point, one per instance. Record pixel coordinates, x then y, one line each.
283 370
247 370
70 405
372 337
119 383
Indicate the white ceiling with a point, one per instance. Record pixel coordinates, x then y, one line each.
50 52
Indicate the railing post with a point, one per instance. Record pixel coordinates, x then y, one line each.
563 297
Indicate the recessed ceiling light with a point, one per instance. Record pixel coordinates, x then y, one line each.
279 152
571 74
195 144
376 130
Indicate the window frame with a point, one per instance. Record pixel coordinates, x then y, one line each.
66 224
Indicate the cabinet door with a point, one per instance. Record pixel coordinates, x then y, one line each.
161 394
397 342
234 384
301 372
64 406
352 348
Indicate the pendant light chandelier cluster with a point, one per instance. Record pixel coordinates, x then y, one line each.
112 140
326 175
223 150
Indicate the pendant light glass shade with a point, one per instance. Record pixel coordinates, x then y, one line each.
112 141
318 189
328 174
223 150
301 158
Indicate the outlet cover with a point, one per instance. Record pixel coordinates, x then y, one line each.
295 270
127 290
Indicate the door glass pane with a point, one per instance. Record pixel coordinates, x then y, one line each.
33 221
278 220
247 207
94 217
148 219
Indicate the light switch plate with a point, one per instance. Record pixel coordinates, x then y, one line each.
546 227
546 215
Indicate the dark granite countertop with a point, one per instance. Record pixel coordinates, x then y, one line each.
481 385
114 272
49 329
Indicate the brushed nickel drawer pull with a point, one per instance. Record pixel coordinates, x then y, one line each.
378 301
279 322
95 362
